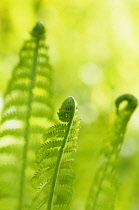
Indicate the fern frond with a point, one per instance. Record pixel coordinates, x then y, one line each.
103 191
28 100
55 176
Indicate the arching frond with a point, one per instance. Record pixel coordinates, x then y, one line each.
103 191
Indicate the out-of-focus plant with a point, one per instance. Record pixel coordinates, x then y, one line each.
103 192
28 112
27 109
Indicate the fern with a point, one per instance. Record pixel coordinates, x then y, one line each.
28 106
103 192
54 158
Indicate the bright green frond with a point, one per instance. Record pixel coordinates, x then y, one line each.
55 164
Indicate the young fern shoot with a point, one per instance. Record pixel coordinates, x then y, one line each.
27 108
53 160
103 191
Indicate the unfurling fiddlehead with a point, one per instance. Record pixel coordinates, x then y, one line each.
53 159
103 191
28 105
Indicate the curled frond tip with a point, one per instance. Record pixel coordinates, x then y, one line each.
38 30
131 100
67 109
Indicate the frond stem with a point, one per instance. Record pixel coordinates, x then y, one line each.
27 127
52 190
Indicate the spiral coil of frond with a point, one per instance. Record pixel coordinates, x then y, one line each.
55 157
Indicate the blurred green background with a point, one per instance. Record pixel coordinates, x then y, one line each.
94 52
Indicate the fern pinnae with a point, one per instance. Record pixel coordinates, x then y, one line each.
60 140
27 99
103 191
70 121
37 33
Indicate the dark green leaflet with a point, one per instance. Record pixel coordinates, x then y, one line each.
54 158
102 194
28 100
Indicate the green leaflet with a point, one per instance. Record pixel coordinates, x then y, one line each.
54 159
103 191
28 108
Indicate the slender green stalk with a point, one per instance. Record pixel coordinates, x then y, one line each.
52 189
27 127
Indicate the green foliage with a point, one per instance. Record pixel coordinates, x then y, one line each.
94 51
54 158
103 192
28 106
